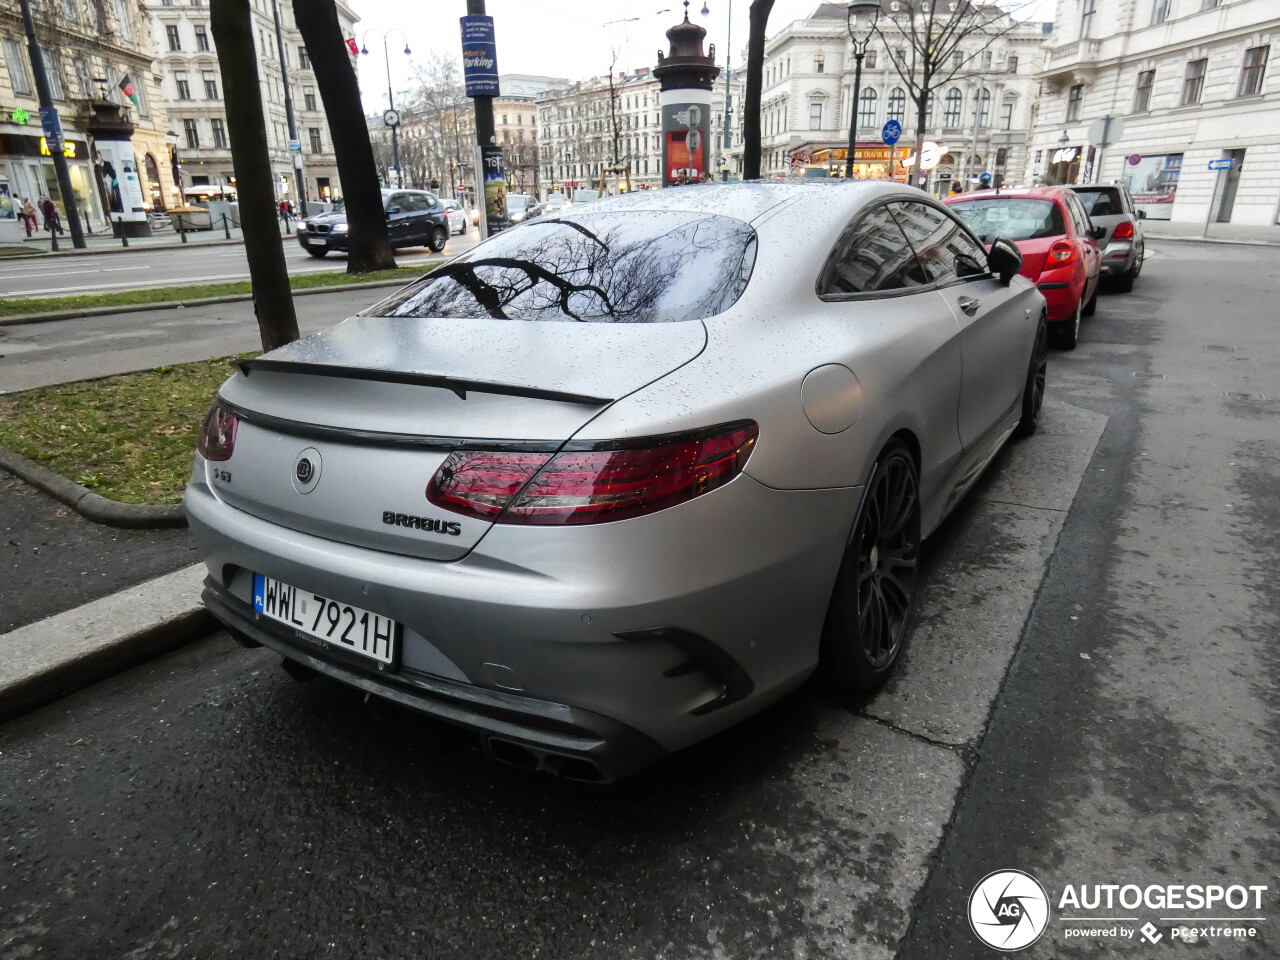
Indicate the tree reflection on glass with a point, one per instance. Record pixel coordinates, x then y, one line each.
634 267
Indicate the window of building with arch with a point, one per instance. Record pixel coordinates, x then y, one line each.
951 112
867 107
897 104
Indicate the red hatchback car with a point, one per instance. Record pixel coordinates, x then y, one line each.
1059 247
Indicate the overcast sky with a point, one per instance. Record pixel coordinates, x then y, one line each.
558 38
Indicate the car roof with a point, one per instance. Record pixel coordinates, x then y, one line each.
1019 193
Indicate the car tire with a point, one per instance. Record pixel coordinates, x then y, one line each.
873 600
1091 307
1067 334
1037 376
318 254
1124 282
439 237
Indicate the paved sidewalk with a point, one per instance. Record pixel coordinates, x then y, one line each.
1218 232
103 242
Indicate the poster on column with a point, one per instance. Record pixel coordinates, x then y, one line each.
495 189
685 129
120 180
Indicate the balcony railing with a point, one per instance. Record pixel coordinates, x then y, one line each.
1080 50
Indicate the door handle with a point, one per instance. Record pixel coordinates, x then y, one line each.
969 305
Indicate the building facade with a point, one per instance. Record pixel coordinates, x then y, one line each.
89 47
982 117
191 85
577 129
1191 84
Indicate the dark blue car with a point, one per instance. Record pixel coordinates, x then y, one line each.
415 218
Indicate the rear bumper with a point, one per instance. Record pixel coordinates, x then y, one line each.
1061 295
639 637
1118 258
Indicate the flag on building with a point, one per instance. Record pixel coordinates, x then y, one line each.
353 46
129 90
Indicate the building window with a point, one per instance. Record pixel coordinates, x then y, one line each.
193 134
202 38
1211 4
53 74
304 61
171 32
1193 83
1255 65
184 88
867 107
1075 99
210 86
140 91
1002 156
951 113
1013 64
815 116
314 134
122 18
986 58
982 107
1086 18
871 59
819 63
219 133
83 78
898 104
1006 115
1160 11
1142 92
309 98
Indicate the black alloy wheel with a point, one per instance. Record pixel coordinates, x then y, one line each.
1037 377
317 253
439 237
876 585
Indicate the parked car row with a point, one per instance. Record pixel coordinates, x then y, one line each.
1070 238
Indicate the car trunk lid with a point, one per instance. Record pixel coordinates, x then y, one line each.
1034 253
377 404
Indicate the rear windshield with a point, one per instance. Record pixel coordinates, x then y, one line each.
638 266
1105 202
1013 218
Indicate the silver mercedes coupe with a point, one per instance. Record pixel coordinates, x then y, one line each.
613 480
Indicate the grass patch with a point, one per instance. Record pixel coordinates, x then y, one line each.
12 251
129 438
125 298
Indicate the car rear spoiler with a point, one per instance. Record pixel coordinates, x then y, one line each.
457 386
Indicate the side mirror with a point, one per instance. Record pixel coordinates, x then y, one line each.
1142 214
391 210
1005 259
1098 233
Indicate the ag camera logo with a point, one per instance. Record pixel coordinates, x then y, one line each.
1008 910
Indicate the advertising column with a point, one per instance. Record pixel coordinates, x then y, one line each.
118 167
685 77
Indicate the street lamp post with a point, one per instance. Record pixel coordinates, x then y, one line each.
728 102
391 117
872 9
300 180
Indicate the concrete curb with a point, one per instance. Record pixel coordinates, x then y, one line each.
41 254
1239 243
71 650
176 304
88 504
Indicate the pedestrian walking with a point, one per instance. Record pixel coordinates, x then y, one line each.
956 187
51 221
29 216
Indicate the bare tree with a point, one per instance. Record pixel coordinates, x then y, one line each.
367 243
936 42
759 11
232 24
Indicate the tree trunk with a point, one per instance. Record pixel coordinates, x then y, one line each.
916 176
367 243
759 12
232 25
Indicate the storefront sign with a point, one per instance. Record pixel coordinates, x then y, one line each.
685 130
68 148
20 117
1066 155
120 180
479 57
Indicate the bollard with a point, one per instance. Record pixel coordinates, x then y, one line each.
226 228
124 237
84 216
182 227
53 237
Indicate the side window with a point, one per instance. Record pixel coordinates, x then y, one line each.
1083 224
946 249
872 255
416 202
398 201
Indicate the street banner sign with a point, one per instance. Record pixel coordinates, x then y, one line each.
52 125
295 146
479 56
891 132
1224 164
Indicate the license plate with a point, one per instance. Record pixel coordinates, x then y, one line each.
340 624
315 242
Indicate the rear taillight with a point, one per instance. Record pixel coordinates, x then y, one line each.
1123 231
218 436
595 485
1060 254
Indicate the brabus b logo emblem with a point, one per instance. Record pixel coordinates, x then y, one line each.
304 470
1008 910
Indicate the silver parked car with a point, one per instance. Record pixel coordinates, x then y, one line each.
1123 245
607 484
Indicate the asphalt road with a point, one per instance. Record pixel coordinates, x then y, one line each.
144 267
1089 695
